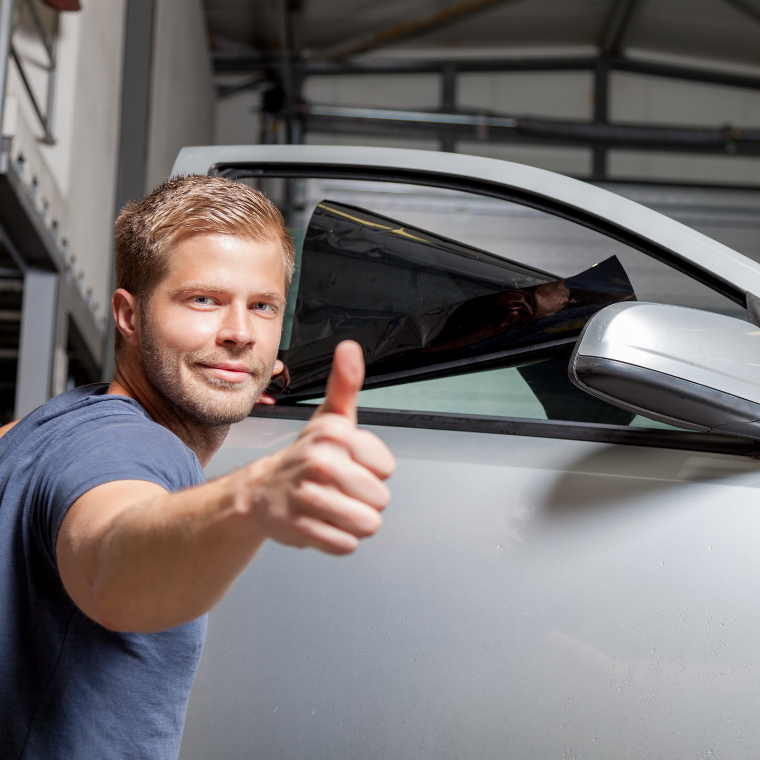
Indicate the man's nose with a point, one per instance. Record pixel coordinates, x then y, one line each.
237 326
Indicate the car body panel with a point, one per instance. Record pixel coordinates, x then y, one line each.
545 595
525 597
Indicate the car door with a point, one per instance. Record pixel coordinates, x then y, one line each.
552 579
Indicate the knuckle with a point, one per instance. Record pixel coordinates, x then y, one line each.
300 537
312 494
319 464
331 426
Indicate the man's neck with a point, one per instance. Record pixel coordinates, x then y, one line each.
203 440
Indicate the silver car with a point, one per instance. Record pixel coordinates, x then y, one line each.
567 380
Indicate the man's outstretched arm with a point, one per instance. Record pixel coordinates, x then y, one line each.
136 558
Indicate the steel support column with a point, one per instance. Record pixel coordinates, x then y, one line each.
6 29
448 102
133 139
286 66
38 327
601 116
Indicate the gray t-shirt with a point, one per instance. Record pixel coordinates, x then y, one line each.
69 688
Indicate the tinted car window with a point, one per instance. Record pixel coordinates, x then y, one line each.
475 246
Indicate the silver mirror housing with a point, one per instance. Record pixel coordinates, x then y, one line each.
685 367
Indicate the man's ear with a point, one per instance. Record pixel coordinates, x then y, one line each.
126 317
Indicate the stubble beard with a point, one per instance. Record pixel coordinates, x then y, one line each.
196 399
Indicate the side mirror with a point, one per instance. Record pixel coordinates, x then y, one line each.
686 367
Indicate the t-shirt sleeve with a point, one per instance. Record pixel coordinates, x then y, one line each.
101 451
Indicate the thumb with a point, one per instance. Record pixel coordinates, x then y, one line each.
345 381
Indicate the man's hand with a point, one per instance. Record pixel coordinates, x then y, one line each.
265 399
326 490
135 558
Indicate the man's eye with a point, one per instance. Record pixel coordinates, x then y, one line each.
263 306
203 300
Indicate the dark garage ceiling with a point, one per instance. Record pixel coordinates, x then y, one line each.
721 30
277 44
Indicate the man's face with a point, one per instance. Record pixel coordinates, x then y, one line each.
210 331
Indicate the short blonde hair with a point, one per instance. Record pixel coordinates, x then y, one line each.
146 230
193 205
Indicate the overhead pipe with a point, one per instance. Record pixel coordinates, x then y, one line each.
473 126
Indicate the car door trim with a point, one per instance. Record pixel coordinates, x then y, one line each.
576 431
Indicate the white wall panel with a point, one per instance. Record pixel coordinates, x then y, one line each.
237 120
566 95
420 91
644 99
573 161
94 143
684 167
182 97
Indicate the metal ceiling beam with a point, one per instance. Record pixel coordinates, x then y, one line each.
503 128
404 30
686 73
255 62
224 64
750 7
618 26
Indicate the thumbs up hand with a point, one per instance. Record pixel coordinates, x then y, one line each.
345 381
326 490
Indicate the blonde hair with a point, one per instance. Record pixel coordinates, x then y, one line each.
146 230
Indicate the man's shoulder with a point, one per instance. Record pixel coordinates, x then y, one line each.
90 414
89 401
86 435
80 406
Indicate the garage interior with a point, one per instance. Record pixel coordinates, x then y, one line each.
617 548
657 100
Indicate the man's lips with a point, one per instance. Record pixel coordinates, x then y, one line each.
232 373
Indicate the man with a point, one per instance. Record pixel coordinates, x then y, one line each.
112 547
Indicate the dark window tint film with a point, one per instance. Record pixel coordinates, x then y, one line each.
360 268
423 306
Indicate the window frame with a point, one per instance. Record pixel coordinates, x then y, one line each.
488 188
